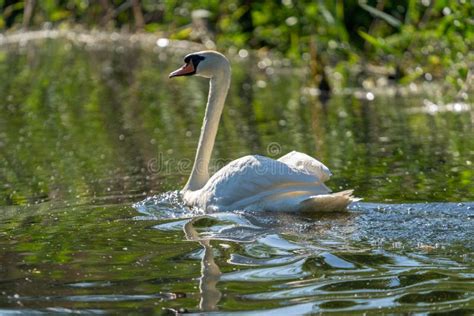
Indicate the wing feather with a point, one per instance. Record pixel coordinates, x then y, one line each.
256 177
307 164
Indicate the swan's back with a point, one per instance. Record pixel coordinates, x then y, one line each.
256 180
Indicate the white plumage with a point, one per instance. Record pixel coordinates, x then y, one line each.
295 182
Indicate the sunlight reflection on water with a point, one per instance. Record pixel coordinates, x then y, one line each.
371 257
76 152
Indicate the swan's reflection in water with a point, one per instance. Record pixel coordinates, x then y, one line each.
280 259
375 257
210 272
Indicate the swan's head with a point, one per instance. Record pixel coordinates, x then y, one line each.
205 64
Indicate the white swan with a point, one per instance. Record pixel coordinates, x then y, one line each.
292 183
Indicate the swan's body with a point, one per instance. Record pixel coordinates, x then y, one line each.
295 182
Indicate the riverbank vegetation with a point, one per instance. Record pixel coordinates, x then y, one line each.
398 41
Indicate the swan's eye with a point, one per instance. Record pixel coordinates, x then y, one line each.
195 59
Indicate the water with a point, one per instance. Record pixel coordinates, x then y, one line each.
95 141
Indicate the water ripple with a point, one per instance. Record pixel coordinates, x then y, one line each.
374 257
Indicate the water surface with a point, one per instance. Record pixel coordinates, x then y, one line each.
95 141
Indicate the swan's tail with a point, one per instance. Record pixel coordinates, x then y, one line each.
335 202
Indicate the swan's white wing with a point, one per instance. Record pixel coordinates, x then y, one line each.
257 179
307 164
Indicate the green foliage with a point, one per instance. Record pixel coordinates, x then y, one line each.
435 36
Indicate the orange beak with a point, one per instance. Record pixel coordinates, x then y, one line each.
183 71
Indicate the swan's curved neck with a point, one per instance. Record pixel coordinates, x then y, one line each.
218 87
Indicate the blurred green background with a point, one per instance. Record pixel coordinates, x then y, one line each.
405 41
